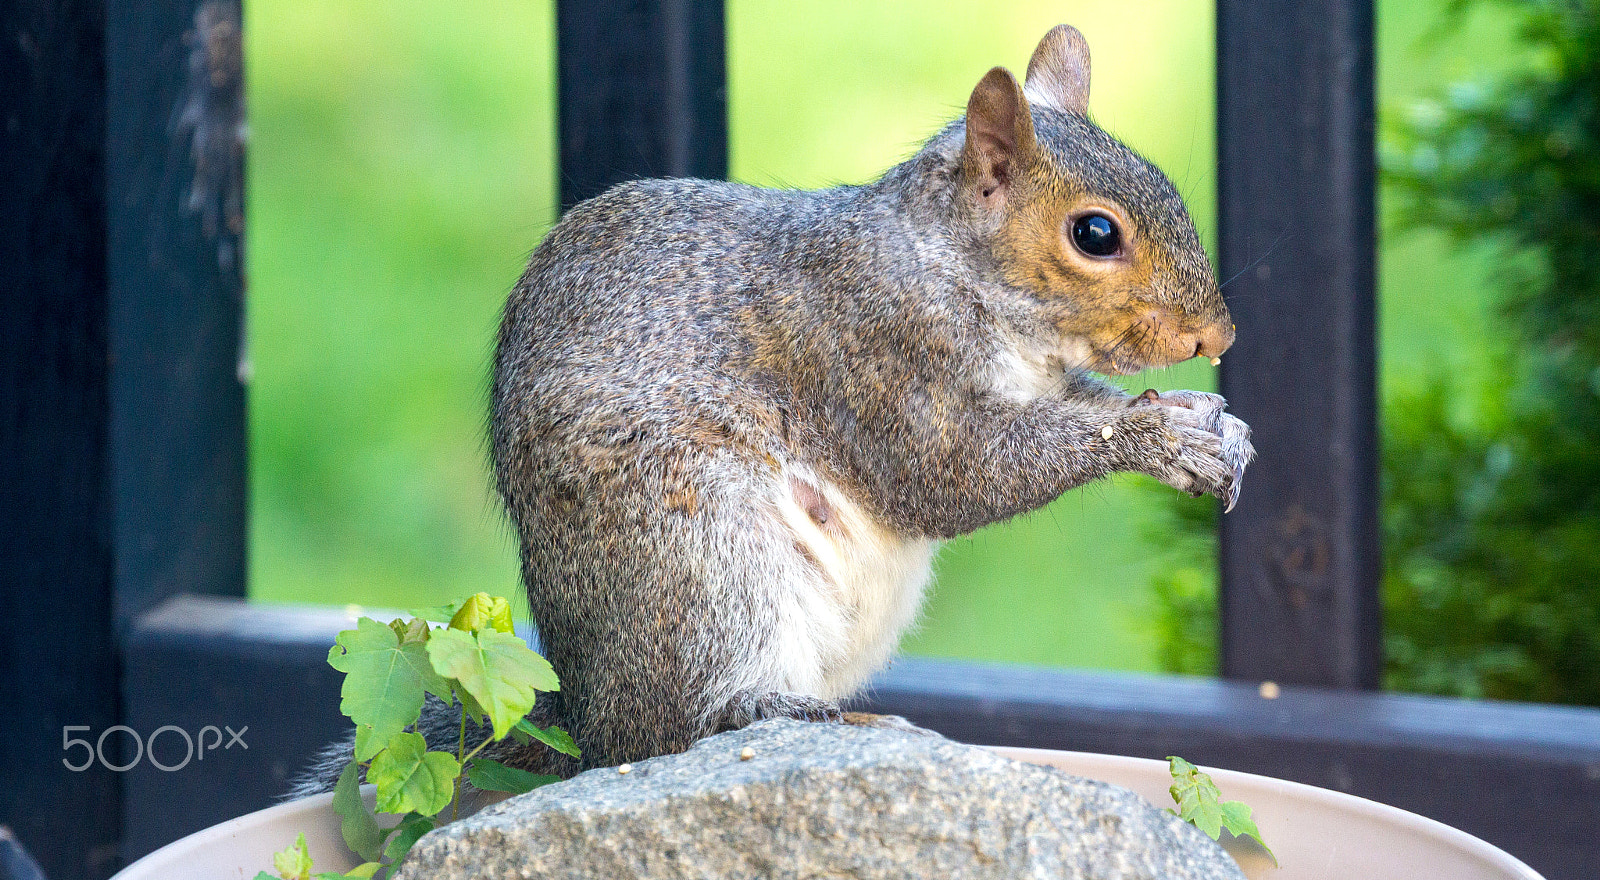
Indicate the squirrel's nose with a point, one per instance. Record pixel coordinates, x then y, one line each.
1213 339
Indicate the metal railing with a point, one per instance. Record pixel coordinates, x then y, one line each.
122 445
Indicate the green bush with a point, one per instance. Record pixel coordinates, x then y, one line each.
1491 495
1493 583
1184 588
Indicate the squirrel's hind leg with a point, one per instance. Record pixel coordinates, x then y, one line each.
710 620
749 707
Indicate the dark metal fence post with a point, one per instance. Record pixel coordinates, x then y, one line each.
1300 554
121 399
642 92
57 664
175 225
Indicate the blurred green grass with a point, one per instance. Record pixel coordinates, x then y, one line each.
402 166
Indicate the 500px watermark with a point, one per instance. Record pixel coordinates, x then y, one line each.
195 747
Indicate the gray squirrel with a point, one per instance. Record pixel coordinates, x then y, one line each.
731 424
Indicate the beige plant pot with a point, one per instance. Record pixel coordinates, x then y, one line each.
1317 834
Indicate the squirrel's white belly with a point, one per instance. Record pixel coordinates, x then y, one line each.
861 587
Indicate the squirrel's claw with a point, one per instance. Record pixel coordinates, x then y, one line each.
1237 450
1208 449
749 707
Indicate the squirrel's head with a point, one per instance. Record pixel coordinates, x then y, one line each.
1096 236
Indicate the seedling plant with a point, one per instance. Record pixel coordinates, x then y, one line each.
476 660
1200 804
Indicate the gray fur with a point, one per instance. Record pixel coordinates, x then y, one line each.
676 347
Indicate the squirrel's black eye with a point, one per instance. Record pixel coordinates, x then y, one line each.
1097 235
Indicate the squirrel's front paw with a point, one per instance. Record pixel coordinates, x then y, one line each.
1205 450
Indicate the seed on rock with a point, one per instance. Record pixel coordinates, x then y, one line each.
625 769
1106 432
746 753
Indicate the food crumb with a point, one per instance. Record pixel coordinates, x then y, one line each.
1106 432
746 753
625 769
1216 362
1269 690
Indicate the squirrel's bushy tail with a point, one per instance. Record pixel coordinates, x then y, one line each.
440 725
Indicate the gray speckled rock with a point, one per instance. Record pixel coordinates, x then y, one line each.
823 800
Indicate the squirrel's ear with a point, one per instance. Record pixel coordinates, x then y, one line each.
999 134
1058 74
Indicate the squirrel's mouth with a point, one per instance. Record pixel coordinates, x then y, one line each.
1153 340
1123 345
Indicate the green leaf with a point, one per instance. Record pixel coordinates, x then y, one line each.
1236 818
481 611
412 779
1196 796
1200 804
356 822
494 776
497 668
406 833
363 871
435 613
554 737
383 683
413 630
293 863
263 875
365 746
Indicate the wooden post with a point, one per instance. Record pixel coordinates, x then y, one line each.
1300 553
642 93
